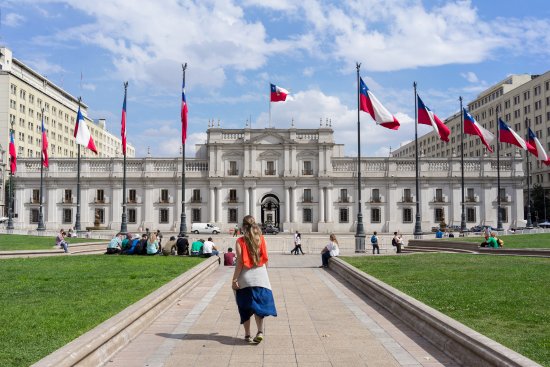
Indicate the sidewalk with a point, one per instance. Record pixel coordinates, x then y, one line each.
320 322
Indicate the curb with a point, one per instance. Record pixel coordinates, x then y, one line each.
98 345
464 345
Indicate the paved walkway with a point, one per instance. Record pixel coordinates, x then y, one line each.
321 322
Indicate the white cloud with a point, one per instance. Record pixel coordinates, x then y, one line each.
308 71
89 86
470 76
45 67
13 20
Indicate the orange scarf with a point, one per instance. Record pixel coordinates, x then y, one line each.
247 260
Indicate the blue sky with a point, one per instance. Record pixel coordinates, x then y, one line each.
235 49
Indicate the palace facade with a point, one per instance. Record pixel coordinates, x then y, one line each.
295 179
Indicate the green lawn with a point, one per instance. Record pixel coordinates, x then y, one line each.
47 302
536 240
10 242
503 297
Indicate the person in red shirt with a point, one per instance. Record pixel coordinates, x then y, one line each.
229 257
250 280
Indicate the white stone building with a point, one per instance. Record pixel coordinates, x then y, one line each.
297 179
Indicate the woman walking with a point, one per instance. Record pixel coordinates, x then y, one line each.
250 279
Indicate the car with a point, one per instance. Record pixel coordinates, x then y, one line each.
270 230
209 228
3 219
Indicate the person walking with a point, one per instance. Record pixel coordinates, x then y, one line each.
236 230
329 251
251 281
295 249
298 244
374 241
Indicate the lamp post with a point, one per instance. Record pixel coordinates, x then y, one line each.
499 211
41 226
10 189
124 223
417 224
183 219
529 223
462 214
360 232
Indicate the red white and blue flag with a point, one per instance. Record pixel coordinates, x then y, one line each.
82 134
278 94
45 161
372 106
535 147
507 135
184 112
472 127
123 127
13 154
427 117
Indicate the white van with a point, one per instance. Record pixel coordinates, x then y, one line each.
204 228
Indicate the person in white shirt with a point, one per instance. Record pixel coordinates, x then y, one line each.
329 251
209 248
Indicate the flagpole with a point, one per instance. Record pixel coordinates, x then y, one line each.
124 224
499 211
529 223
417 225
269 125
41 226
360 233
77 227
462 214
183 219
10 198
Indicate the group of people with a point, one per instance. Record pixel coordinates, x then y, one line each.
297 244
491 240
204 248
149 243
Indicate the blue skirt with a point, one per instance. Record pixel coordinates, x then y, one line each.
255 301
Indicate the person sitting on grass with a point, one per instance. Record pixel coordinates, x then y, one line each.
60 241
126 242
492 241
209 248
133 246
115 246
196 247
170 247
182 245
152 245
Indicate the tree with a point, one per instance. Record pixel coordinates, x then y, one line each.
538 203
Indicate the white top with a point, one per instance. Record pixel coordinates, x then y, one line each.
298 240
207 247
332 247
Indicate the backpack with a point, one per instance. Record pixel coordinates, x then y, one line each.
393 242
373 239
500 242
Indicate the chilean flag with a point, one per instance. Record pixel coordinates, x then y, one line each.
278 94
427 117
371 105
13 154
533 145
507 135
123 128
184 112
472 127
45 162
82 134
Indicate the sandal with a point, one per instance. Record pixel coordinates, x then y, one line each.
248 339
259 337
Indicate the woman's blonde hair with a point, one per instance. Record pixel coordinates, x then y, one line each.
333 238
152 238
252 237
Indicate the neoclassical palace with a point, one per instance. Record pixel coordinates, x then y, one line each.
295 179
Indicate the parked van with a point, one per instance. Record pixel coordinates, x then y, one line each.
204 228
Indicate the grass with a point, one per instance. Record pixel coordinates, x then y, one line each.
9 242
503 297
535 240
48 302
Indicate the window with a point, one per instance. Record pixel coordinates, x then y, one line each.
68 196
35 196
471 215
407 215
439 217
537 90
195 215
232 196
516 99
270 168
163 214
233 171
307 168
196 198
100 196
34 215
407 197
527 109
526 95
504 214
344 196
100 214
375 196
131 216
232 215
344 215
438 196
538 105
470 196
307 215
132 196
307 196
502 194
164 195
375 215
67 215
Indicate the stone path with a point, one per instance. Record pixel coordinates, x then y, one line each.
321 322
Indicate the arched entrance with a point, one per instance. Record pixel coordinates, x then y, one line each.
271 210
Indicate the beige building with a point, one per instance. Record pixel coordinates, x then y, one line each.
23 95
522 101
